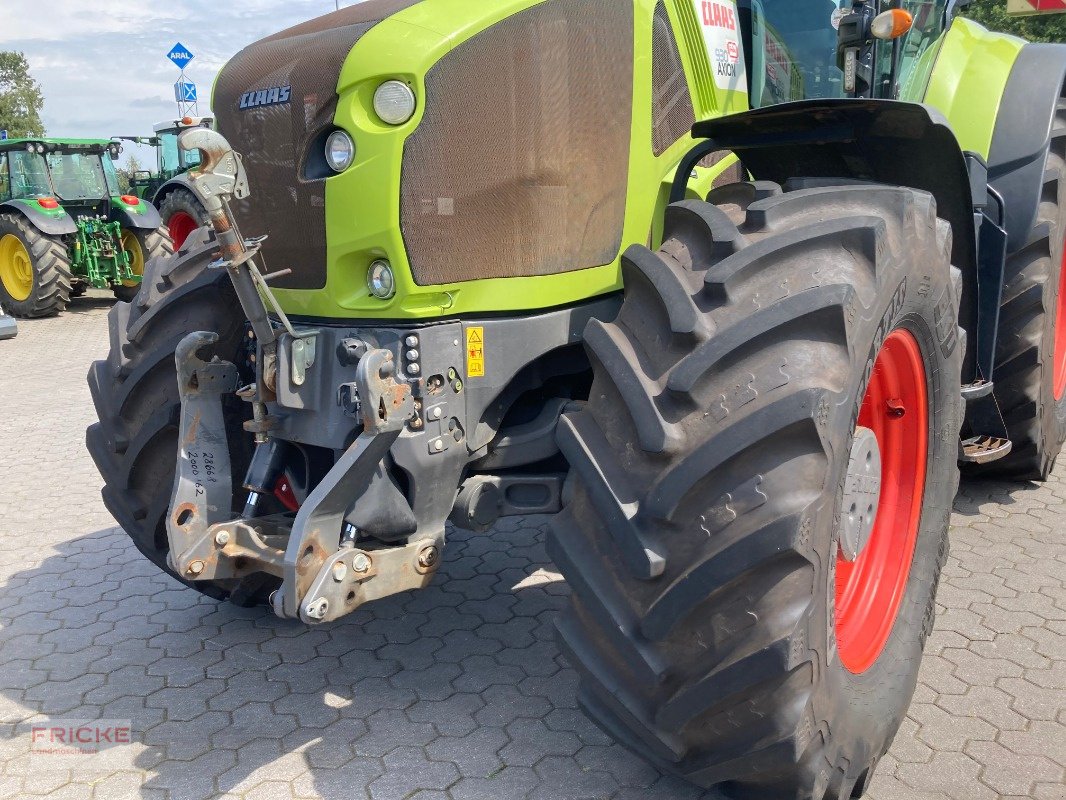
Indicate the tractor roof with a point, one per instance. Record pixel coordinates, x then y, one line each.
184 122
98 145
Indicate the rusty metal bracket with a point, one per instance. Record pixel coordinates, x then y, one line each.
316 533
203 490
351 577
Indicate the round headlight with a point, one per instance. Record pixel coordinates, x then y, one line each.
394 102
340 151
381 281
40 148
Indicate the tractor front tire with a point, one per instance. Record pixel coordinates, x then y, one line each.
135 391
1030 373
35 273
723 622
142 247
182 213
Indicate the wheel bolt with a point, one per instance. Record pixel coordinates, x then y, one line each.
428 557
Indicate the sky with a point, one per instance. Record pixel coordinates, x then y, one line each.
102 64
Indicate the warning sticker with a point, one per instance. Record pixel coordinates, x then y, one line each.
475 352
721 34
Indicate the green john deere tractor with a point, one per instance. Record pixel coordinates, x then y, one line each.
729 288
167 188
65 226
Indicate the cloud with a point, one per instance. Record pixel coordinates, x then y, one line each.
102 64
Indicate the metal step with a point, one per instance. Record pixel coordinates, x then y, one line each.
983 449
977 390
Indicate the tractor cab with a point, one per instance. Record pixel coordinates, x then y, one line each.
816 49
170 160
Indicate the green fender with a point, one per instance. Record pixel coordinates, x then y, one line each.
968 80
49 221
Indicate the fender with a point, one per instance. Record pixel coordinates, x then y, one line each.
47 222
143 216
180 181
969 79
1022 136
882 141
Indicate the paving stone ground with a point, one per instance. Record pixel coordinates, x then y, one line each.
453 693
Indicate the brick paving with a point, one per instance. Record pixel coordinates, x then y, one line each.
453 693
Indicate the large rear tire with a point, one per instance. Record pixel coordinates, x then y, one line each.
182 213
141 246
35 274
1030 378
135 391
716 625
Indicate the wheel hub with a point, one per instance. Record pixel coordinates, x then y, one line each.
1060 333
886 484
862 493
16 268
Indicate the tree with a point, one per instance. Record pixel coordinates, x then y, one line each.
993 14
126 173
20 97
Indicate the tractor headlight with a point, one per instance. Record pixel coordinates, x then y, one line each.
381 281
340 151
40 148
394 102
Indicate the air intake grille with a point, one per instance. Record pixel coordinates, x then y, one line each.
672 112
520 164
274 131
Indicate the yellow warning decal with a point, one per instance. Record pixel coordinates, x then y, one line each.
475 352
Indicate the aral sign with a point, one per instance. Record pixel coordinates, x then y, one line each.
1021 8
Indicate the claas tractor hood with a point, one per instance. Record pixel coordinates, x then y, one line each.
508 183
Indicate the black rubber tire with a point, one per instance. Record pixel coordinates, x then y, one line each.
701 534
185 201
135 392
52 276
154 244
1025 348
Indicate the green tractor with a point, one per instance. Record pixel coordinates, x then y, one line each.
730 289
65 226
167 188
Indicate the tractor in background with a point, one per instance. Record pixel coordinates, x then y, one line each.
65 226
730 288
167 188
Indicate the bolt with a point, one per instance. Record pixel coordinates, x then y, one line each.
428 557
412 355
361 563
455 342
438 445
317 610
196 567
413 369
436 413
458 386
339 571
452 374
411 341
222 538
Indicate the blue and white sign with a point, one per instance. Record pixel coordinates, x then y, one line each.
180 55
185 92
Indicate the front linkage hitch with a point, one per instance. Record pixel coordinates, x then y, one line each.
324 574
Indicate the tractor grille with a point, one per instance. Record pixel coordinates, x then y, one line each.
672 113
520 164
274 135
